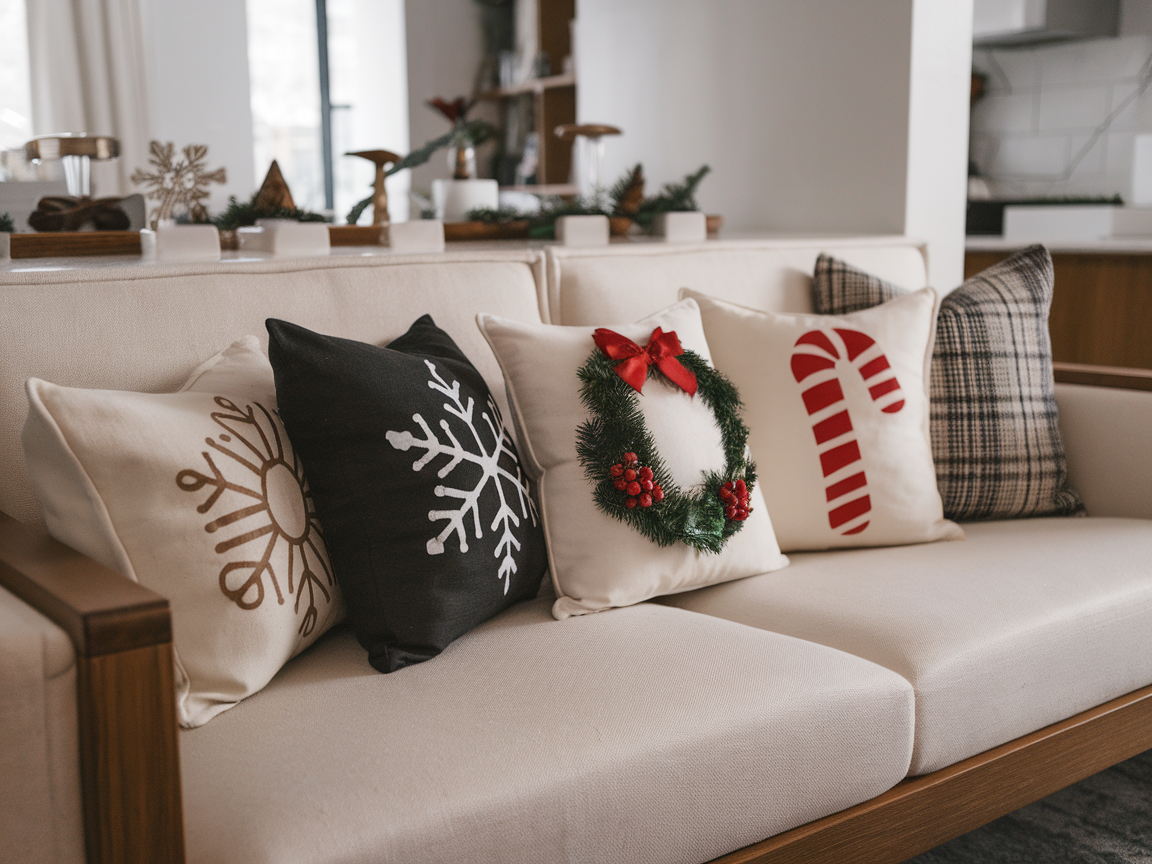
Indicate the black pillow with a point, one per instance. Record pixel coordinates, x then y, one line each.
429 522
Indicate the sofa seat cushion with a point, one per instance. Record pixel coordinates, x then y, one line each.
639 734
1025 623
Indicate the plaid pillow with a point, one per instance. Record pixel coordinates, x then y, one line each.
995 437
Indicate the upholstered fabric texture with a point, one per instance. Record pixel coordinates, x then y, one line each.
429 519
621 283
995 429
1105 435
598 562
41 813
1025 623
145 328
642 734
838 410
199 496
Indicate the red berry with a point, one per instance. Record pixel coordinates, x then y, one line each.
629 503
729 512
740 516
620 484
629 475
740 487
645 500
657 493
645 473
616 470
634 488
728 487
630 458
726 495
647 485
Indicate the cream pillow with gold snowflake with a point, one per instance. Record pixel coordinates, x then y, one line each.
198 496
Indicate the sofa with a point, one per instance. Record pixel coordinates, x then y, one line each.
860 705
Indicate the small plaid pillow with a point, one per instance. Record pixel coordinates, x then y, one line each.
995 437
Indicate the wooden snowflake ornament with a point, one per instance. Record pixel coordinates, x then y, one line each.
180 185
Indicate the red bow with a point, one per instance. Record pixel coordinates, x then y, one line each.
662 350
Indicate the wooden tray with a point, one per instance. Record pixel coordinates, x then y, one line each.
357 235
454 231
65 244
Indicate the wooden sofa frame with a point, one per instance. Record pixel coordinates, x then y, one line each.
130 760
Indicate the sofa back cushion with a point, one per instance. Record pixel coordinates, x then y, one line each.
625 282
145 328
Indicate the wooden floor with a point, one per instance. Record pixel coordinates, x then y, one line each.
1101 306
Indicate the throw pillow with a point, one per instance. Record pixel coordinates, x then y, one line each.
584 427
430 521
199 496
995 425
838 408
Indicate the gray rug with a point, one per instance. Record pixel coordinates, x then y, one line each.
1106 819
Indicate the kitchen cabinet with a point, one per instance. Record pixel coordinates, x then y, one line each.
1101 305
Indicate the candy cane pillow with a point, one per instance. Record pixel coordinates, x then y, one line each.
838 412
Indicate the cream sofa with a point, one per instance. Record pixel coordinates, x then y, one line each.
858 706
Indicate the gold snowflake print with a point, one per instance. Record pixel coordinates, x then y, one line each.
271 500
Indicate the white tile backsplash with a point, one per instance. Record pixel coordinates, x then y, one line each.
1031 157
1070 108
1044 103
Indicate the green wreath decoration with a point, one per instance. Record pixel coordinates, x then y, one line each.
616 440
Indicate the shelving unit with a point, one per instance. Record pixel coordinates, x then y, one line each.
553 98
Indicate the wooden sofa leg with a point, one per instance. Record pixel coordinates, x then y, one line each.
126 696
129 758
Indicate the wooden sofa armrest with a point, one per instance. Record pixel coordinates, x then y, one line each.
1103 376
129 756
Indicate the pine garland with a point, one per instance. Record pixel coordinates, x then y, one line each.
692 516
673 198
239 214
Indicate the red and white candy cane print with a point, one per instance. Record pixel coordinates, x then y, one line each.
815 362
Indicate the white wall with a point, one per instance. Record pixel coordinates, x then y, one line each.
809 113
197 61
445 46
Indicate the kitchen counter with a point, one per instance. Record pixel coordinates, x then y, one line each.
1114 245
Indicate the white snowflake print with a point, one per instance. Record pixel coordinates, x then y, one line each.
487 458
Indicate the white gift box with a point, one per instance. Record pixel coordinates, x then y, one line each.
172 242
5 246
285 237
454 198
418 235
682 227
582 230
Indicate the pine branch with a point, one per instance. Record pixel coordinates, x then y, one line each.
673 198
239 214
7 224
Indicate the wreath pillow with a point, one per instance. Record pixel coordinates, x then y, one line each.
640 452
838 410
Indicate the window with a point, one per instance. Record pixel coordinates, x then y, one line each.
15 90
368 99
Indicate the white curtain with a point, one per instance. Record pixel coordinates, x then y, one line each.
87 61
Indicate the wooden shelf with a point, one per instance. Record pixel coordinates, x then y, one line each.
537 85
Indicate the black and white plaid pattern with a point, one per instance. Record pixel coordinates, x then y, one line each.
995 435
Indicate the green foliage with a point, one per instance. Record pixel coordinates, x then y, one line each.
474 132
673 198
499 216
239 214
7 224
616 426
